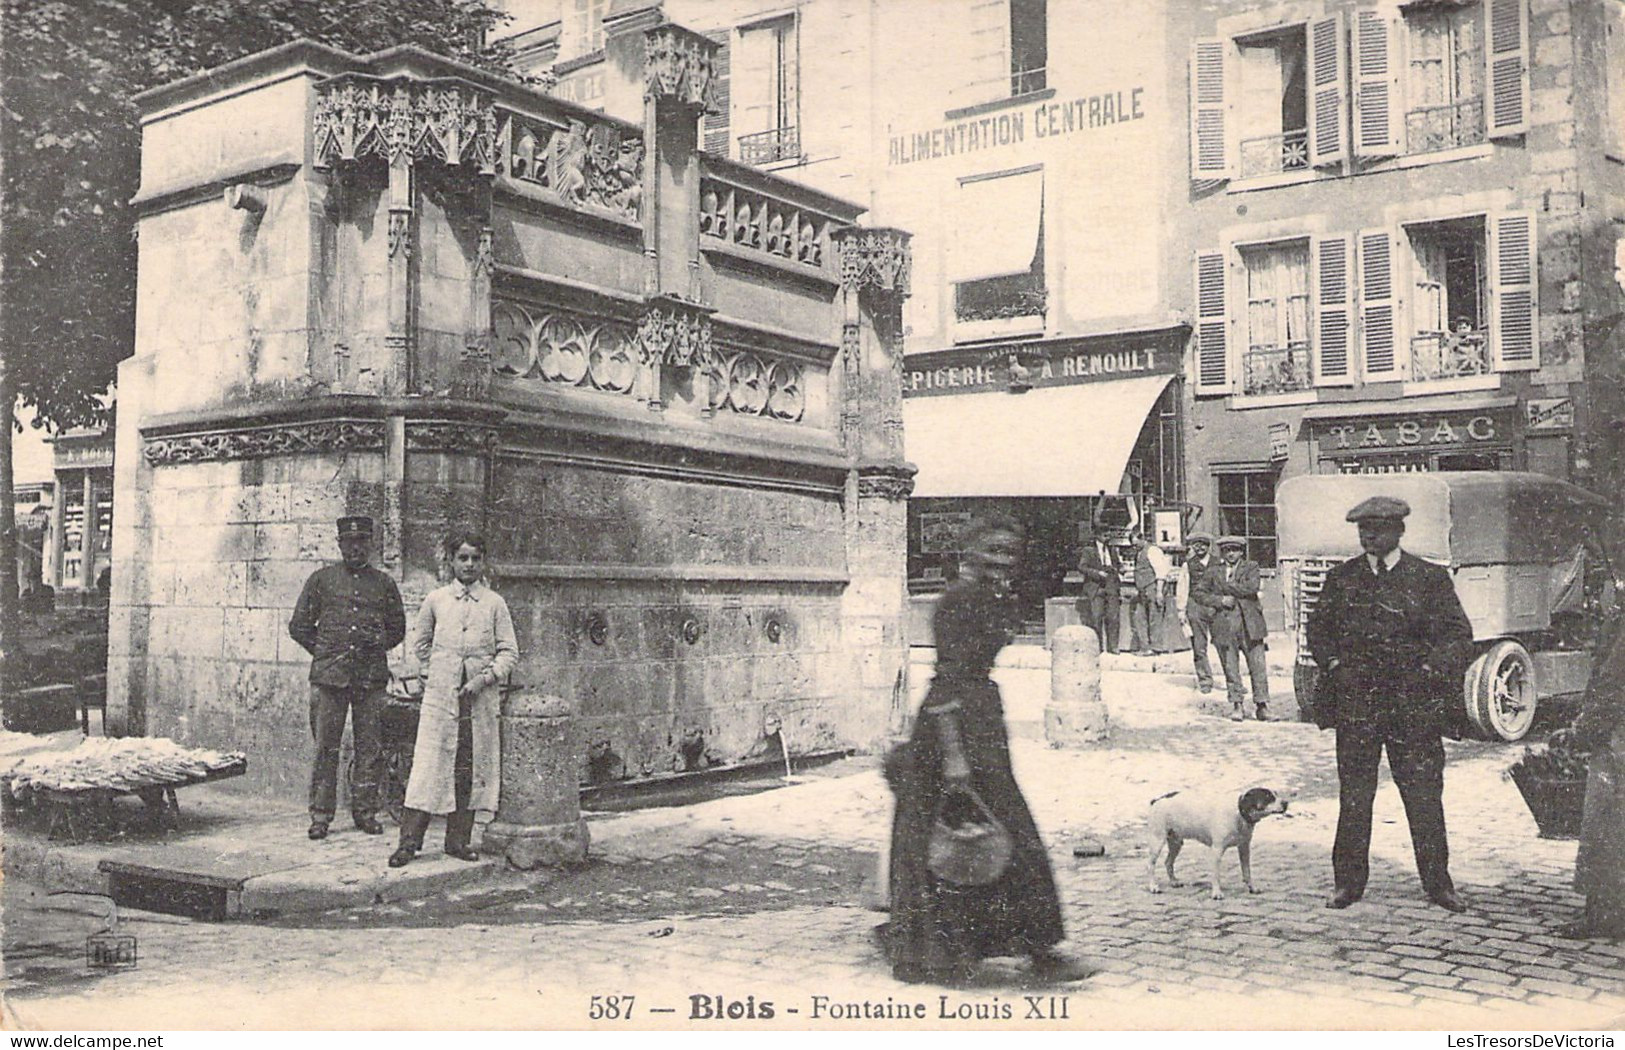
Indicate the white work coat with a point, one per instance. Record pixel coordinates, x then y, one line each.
463 634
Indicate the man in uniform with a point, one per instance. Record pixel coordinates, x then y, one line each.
1194 603
1392 642
348 617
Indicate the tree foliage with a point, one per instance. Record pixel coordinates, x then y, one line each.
68 71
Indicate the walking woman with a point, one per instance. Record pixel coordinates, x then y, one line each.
939 931
1599 866
465 643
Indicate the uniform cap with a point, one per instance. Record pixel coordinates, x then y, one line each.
355 526
1200 537
1232 541
1379 507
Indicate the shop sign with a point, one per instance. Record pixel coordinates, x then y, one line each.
1280 441
1550 413
942 532
1047 120
1366 436
86 456
1022 365
584 89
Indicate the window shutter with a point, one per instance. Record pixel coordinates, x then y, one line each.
1376 93
1212 325
1379 356
1328 121
1210 138
1512 291
716 124
1334 294
1506 31
989 75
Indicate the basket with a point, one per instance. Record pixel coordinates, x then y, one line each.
1556 805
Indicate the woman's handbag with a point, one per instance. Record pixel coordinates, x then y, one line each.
973 852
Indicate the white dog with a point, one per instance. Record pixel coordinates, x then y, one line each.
1219 821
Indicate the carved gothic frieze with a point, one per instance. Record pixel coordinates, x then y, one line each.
596 164
852 348
558 346
674 332
886 481
400 234
680 64
335 435
402 118
874 259
442 436
753 385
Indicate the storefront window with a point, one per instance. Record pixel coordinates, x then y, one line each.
1247 509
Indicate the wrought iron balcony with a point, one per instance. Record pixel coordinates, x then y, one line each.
1449 355
1277 369
997 298
1432 128
766 147
1272 154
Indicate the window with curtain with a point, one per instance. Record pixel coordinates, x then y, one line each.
765 84
1273 108
583 30
1448 309
1277 359
1445 74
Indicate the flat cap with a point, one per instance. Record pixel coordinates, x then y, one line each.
1200 537
356 525
1379 507
1231 541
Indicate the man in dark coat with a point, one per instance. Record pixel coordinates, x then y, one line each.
348 618
1231 584
1196 607
1100 601
1392 642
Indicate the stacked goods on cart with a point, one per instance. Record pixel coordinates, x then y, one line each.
120 764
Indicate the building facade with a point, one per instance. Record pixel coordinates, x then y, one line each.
441 298
1401 221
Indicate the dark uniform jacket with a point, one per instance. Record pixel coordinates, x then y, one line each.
348 622
1401 642
1201 605
1098 576
1243 623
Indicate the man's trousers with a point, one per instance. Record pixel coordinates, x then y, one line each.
328 707
1416 760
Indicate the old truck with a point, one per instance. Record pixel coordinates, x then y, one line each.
1529 557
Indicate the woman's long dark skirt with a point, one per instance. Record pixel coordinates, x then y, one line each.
938 930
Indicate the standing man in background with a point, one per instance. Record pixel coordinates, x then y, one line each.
348 618
1100 603
1238 626
1194 603
1151 568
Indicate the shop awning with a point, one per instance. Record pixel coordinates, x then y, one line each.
1050 441
996 225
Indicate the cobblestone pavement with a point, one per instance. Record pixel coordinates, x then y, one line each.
758 900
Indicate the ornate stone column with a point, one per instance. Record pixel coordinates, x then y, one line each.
875 266
678 88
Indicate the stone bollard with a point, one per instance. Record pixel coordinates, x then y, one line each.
538 821
1075 714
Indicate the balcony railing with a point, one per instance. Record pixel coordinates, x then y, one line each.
1449 355
998 298
1277 369
766 147
1272 154
1432 128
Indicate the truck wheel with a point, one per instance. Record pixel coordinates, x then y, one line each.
1304 679
1500 692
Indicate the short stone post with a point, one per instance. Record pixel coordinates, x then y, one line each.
1076 714
538 821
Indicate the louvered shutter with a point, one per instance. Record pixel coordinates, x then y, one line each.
988 77
716 124
1334 293
1513 323
1378 120
1379 347
1212 325
1506 32
1328 117
1210 138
